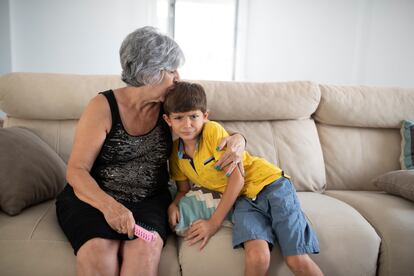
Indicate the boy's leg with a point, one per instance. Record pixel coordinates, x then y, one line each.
303 265
252 230
257 257
293 232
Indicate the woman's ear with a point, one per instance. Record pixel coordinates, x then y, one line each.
167 119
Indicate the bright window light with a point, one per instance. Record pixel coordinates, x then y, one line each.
205 30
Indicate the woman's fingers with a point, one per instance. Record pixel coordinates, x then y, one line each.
130 226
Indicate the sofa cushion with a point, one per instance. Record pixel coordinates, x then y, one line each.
400 183
46 96
407 145
58 134
354 156
30 171
345 239
393 219
364 106
292 145
248 101
35 230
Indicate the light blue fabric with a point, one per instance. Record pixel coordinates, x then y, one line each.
407 144
199 203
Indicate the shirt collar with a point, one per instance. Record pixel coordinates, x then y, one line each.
181 152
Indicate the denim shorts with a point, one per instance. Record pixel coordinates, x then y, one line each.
274 216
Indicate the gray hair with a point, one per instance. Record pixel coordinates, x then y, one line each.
146 54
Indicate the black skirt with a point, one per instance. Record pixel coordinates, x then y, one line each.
81 222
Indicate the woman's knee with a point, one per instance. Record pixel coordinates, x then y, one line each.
98 251
139 247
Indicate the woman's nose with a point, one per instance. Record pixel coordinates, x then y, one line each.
176 76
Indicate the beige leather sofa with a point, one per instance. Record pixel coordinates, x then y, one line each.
332 140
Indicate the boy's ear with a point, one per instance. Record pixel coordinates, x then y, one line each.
206 116
167 119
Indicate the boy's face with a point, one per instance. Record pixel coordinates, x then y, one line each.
187 125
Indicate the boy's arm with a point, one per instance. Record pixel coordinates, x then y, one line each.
182 188
173 212
204 229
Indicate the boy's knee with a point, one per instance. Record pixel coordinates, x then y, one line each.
258 257
298 262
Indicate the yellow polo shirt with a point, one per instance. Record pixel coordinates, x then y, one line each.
200 170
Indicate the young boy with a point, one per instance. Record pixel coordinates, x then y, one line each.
266 206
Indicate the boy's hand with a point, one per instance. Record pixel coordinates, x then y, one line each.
173 215
201 230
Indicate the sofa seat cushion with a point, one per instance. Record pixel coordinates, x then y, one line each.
393 219
345 239
33 243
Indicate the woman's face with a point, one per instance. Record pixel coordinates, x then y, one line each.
170 77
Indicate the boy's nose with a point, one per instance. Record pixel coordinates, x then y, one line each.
187 122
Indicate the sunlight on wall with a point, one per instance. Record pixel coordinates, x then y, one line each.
205 32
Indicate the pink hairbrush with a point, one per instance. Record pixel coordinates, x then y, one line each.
144 234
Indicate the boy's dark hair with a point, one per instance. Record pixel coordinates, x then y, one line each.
184 97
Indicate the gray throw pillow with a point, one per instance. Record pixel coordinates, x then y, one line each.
400 183
30 171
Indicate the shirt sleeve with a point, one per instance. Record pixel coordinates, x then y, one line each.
213 133
175 171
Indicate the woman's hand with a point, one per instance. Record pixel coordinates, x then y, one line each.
120 218
233 156
173 215
201 230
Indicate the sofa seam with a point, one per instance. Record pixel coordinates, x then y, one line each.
43 240
38 222
58 137
274 144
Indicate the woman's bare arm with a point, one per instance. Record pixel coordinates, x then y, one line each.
90 135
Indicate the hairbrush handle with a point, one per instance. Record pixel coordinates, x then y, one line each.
144 234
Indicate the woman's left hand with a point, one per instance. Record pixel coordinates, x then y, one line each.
233 156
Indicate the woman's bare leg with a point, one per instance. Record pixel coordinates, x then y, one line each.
140 257
98 257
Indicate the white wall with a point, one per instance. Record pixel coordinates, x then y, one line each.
367 42
77 36
340 42
5 43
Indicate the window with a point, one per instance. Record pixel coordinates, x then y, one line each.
206 32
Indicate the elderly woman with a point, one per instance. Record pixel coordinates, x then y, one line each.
117 172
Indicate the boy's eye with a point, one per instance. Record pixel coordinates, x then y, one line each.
195 116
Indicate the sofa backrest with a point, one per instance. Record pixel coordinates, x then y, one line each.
359 129
276 120
50 104
274 117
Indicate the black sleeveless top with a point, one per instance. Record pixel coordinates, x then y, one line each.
132 168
